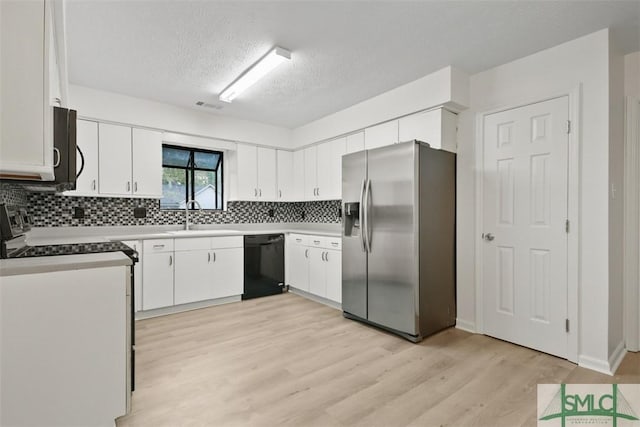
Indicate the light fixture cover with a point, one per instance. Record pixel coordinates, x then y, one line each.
271 60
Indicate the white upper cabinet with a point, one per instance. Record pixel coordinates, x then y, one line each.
256 173
381 135
285 176
355 142
87 140
266 174
147 163
298 176
310 173
115 161
323 170
437 127
129 161
31 83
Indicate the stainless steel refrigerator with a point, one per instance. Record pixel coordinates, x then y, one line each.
398 238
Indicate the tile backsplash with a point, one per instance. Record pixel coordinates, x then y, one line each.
52 210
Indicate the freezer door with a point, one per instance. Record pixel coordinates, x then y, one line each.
354 257
391 220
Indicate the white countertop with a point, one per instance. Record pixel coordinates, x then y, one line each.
60 235
46 264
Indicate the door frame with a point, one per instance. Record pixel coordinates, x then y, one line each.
632 225
574 96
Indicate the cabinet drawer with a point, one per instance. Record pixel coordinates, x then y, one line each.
227 242
318 241
192 243
299 239
334 243
158 245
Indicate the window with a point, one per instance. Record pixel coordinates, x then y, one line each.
191 174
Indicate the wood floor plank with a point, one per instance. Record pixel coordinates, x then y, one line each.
286 360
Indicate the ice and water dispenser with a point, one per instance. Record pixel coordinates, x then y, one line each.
351 214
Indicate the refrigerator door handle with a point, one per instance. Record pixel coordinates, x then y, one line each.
361 215
366 230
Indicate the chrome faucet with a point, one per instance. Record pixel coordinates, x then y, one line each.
186 212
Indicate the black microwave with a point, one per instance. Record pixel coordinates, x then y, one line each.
65 151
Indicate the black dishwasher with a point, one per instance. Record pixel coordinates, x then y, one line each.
263 265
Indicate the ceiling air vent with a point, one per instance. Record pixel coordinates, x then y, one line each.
207 105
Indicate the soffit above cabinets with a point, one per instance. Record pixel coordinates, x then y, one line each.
342 52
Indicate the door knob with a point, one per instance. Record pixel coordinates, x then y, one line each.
488 237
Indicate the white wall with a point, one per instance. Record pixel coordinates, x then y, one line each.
616 197
632 74
448 87
551 72
97 104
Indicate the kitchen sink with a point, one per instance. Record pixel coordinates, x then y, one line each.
195 233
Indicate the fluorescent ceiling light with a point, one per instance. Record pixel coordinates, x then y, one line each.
271 60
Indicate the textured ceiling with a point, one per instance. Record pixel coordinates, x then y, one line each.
180 52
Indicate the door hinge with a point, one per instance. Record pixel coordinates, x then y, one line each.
566 225
566 325
568 126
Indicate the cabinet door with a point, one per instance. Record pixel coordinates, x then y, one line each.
285 176
324 166
355 142
227 272
87 139
381 135
247 158
266 174
298 176
299 267
26 142
114 157
337 148
425 126
146 147
310 173
157 280
333 264
317 272
192 276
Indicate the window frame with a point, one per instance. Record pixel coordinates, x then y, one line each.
190 171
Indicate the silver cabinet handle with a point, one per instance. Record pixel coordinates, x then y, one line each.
128 185
158 246
208 256
318 191
361 215
326 256
93 184
135 187
214 257
298 240
317 242
260 192
56 158
488 237
280 194
306 253
255 192
170 259
334 244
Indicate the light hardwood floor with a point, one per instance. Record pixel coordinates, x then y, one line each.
285 360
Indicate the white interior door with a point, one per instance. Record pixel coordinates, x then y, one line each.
524 219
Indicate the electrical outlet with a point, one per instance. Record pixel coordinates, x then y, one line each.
78 213
139 212
271 213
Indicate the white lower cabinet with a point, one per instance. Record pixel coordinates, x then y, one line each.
315 265
188 270
192 276
157 288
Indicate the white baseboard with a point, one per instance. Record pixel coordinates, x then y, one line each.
465 325
607 367
147 314
616 357
315 298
